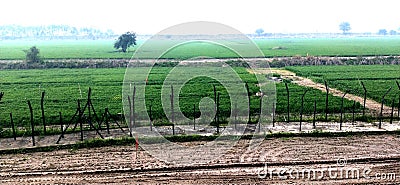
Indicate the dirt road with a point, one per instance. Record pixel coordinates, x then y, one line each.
379 154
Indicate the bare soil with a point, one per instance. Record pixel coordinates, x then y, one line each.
119 165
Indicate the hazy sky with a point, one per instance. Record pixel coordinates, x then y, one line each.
151 16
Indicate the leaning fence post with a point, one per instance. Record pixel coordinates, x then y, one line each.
381 114
13 127
365 97
288 102
326 100
341 111
32 123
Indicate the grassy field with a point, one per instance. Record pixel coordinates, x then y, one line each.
61 49
376 78
64 87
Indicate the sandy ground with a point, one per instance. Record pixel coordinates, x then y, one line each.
379 154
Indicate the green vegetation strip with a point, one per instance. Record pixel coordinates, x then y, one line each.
125 141
96 49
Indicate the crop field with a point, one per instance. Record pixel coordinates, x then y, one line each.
63 87
95 49
376 78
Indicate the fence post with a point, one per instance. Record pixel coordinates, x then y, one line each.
13 127
326 100
215 103
341 111
172 110
42 108
315 111
398 105
107 121
133 106
259 116
273 114
80 118
288 102
302 107
130 117
365 97
381 114
194 116
391 113
248 97
354 109
61 125
32 123
172 105
217 113
235 114
151 116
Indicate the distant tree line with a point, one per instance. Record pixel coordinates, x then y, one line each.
53 32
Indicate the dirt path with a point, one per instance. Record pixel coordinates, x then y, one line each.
118 164
373 106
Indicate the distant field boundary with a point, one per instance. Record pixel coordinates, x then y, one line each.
273 62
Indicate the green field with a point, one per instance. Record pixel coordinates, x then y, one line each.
64 87
376 78
94 49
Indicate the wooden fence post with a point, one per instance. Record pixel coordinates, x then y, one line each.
248 98
302 107
194 116
381 114
172 110
130 116
315 111
151 116
32 123
326 100
288 103
61 125
365 97
354 110
13 127
273 114
217 113
398 105
42 108
341 111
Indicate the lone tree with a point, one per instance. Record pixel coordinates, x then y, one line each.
259 31
125 41
345 27
382 32
32 55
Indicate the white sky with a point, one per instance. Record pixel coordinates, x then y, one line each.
152 16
